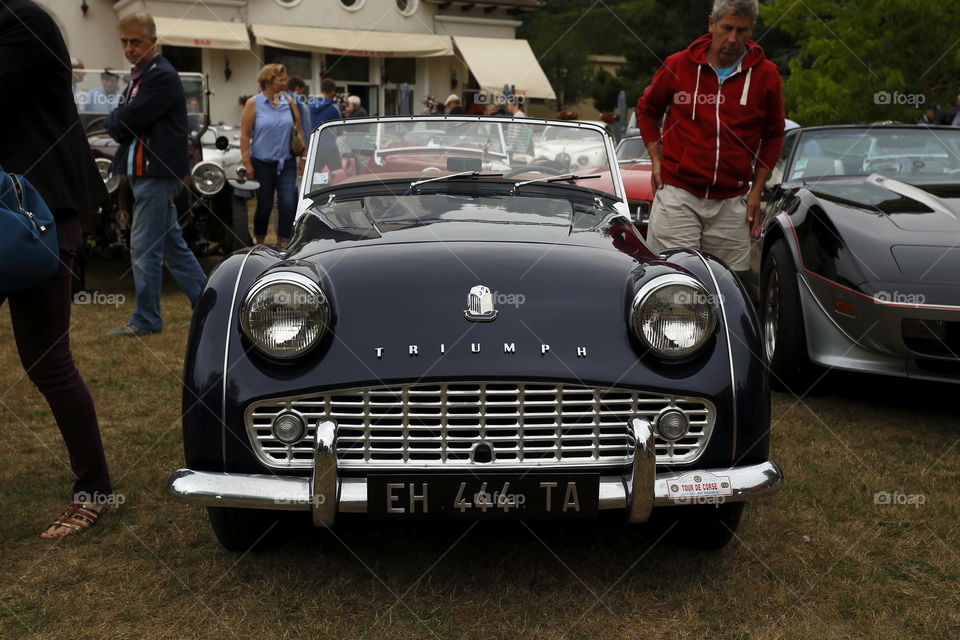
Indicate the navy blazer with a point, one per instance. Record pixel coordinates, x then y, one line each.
41 136
150 123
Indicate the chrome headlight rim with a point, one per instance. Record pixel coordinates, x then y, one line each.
645 294
200 186
310 287
110 180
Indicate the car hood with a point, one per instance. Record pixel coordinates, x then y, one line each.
903 212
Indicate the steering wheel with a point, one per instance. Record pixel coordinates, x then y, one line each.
430 170
531 168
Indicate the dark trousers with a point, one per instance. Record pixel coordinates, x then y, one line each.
41 327
285 186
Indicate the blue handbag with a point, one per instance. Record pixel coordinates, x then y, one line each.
29 252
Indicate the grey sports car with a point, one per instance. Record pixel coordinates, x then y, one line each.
858 264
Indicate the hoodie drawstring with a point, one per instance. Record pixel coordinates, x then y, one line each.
696 90
746 88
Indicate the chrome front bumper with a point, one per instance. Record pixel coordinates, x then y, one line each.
325 493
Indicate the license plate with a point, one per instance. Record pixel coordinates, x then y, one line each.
474 497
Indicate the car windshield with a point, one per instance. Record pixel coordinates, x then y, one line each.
894 152
632 149
419 149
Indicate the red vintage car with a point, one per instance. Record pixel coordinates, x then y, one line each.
635 167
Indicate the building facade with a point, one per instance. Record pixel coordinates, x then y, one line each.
369 47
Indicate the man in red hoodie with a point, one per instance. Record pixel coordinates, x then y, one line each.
723 130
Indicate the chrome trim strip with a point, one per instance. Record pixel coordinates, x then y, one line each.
644 472
287 493
324 484
226 356
726 331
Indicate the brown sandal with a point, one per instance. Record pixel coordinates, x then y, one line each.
76 518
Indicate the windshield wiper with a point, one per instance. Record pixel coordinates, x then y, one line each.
472 174
565 176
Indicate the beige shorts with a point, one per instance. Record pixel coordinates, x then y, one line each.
680 219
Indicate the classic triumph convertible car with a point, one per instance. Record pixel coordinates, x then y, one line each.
453 333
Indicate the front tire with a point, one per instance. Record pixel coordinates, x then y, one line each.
243 530
781 320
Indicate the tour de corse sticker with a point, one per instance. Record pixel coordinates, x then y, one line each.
699 484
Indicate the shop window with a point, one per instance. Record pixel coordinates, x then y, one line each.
343 68
400 70
186 59
298 63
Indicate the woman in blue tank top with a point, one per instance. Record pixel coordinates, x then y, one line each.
265 128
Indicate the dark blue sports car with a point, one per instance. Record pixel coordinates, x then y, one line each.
466 326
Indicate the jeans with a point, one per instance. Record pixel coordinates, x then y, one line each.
155 240
41 328
285 186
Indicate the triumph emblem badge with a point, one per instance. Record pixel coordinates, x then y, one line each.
480 305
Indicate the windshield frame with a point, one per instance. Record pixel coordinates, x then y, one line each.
305 203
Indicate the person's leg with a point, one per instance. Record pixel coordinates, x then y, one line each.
150 206
41 325
266 174
181 262
286 201
727 234
674 221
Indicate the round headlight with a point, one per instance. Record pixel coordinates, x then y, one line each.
285 315
288 428
673 316
672 424
208 178
110 181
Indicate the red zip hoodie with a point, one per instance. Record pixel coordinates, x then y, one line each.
713 134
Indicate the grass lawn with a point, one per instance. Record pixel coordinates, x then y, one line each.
820 560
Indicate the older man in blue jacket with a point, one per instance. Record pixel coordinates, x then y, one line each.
150 124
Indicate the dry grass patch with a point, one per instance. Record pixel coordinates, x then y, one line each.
820 560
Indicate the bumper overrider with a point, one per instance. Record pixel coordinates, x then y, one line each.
325 493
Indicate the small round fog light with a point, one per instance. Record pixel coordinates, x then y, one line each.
288 428
672 424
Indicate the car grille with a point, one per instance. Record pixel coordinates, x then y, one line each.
518 424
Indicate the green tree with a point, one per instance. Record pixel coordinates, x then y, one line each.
565 32
867 60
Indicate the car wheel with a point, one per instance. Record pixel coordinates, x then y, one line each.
700 526
245 530
781 320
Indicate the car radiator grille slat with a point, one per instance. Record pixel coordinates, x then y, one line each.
435 425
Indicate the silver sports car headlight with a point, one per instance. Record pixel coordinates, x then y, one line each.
110 181
285 315
673 315
208 178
